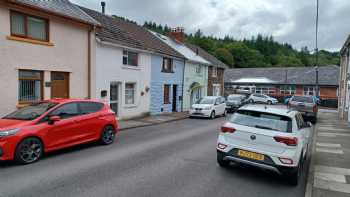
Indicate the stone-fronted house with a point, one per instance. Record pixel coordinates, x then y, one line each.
136 73
45 52
285 81
344 83
195 74
215 71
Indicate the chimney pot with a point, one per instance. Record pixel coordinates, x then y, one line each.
178 34
103 5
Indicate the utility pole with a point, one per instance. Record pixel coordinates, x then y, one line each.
316 50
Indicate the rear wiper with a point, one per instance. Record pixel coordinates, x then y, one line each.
262 127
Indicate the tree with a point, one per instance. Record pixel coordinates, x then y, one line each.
225 56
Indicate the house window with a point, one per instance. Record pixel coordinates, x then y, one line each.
309 91
130 93
265 90
214 71
130 58
288 90
32 27
198 69
166 94
30 86
167 65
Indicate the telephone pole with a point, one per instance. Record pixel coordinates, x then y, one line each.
316 50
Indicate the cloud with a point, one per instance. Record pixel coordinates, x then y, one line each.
291 21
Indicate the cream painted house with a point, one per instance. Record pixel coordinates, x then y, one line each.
45 52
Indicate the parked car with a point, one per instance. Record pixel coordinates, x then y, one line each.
234 101
262 98
209 106
270 138
28 133
306 105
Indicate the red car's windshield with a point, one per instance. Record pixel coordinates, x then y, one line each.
31 112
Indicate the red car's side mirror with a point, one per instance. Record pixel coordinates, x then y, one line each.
53 119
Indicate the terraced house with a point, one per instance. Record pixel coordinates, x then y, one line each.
135 72
45 52
195 75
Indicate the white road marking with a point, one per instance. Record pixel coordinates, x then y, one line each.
330 177
332 186
328 145
327 134
327 150
332 170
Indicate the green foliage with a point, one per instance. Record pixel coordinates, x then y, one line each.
259 51
225 56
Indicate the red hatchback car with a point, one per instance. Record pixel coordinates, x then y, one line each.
54 124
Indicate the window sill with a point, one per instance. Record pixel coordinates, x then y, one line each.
28 40
163 71
127 106
131 67
167 103
21 105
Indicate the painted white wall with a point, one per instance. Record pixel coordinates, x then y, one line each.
110 68
69 54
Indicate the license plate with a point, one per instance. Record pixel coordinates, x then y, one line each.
251 155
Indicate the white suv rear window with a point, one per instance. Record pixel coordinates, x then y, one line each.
262 120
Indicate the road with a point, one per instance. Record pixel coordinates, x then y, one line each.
172 159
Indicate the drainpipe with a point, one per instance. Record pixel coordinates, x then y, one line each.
183 86
89 63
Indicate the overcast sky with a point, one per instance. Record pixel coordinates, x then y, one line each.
291 21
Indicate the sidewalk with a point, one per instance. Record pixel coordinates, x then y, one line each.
151 120
329 173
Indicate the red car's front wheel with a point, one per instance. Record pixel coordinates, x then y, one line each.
29 150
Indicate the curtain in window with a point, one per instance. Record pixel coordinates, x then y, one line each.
37 28
17 24
129 93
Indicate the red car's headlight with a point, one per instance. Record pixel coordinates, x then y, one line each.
9 132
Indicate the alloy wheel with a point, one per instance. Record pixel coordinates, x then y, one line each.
29 150
108 135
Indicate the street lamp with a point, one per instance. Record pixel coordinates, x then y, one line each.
316 50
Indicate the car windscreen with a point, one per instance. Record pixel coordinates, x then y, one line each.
303 99
262 120
206 101
31 112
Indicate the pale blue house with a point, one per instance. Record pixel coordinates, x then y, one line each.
166 84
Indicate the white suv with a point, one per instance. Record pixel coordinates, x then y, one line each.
209 106
262 98
272 138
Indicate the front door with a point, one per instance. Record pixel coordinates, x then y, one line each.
114 97
59 85
195 95
174 98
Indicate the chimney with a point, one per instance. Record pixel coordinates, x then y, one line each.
103 5
178 34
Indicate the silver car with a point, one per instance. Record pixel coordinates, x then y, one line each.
305 105
234 101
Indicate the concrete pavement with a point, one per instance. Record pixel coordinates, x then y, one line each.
330 166
171 159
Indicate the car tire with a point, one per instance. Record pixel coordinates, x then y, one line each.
107 135
314 120
220 159
294 177
29 150
269 102
212 115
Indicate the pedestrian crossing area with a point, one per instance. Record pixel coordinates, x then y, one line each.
328 144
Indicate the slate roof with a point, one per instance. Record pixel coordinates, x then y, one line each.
207 56
121 32
59 7
328 75
181 48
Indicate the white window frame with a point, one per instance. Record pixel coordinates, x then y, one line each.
126 55
126 93
288 90
214 88
214 71
309 89
199 69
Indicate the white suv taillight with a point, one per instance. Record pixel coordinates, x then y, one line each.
289 141
225 129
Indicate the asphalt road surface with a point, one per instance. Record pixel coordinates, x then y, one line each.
172 159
